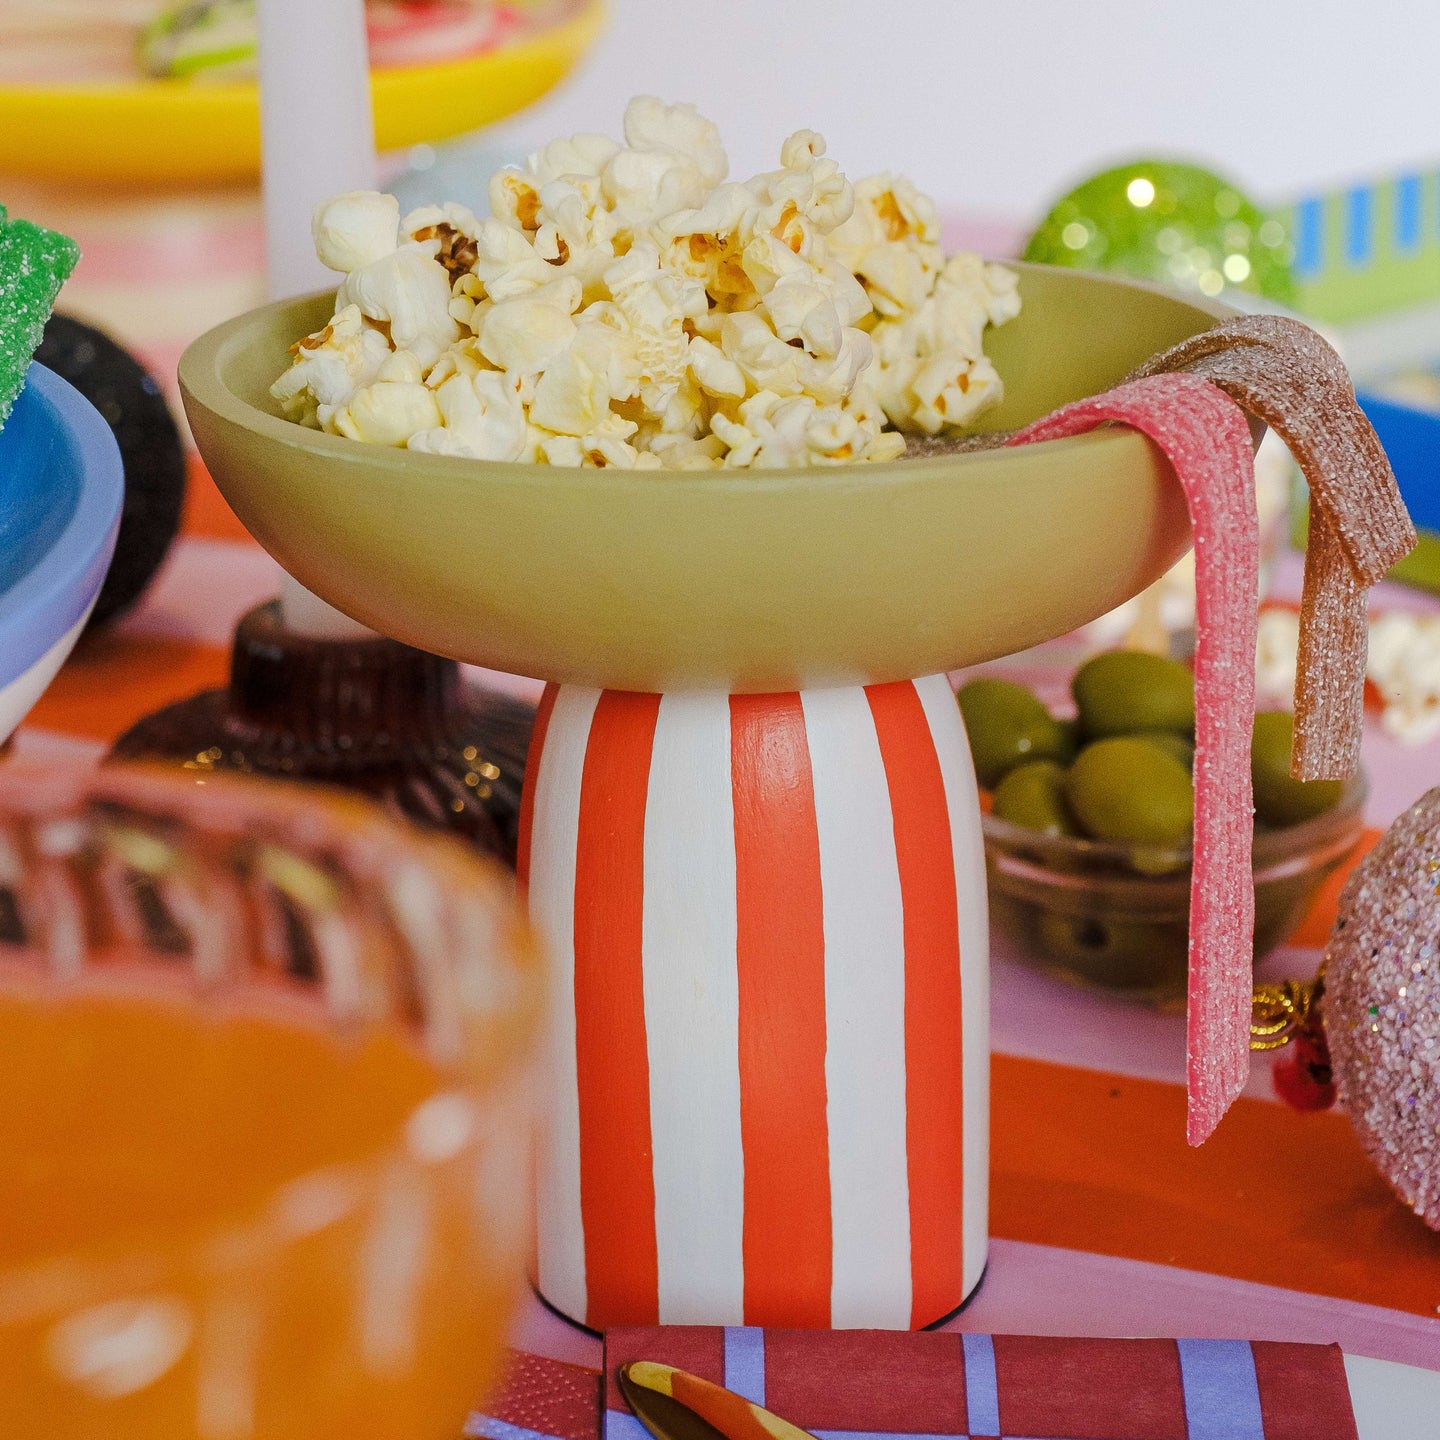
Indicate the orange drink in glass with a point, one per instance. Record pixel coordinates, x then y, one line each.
264 1114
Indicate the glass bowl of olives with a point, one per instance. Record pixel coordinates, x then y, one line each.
1088 830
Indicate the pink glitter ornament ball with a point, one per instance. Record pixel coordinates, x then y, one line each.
1382 1005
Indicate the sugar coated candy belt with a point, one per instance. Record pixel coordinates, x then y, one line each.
1205 437
34 264
1285 374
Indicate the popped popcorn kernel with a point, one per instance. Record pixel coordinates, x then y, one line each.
625 306
388 412
408 292
330 366
355 229
481 417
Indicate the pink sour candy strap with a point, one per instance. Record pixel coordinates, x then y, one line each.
1206 439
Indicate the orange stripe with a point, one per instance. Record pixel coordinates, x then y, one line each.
1099 1162
206 511
780 954
527 794
934 1081
617 1181
113 679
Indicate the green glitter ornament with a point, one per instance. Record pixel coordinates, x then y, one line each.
1171 223
34 264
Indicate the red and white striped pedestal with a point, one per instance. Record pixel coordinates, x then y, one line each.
767 930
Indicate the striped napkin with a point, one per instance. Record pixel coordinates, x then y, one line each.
889 1385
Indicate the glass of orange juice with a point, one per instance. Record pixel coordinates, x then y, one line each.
265 1101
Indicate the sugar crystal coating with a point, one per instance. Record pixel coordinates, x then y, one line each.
1206 439
1382 1005
1285 374
34 264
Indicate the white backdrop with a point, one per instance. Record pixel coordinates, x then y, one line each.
995 105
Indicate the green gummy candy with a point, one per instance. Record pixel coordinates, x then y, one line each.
34 264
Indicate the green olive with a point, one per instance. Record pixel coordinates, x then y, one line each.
1007 725
1182 747
1136 956
1279 800
1127 789
1074 738
1033 795
1124 691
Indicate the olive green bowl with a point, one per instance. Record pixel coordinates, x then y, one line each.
751 581
1083 911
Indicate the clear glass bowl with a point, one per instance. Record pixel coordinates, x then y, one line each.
1116 917
264 1113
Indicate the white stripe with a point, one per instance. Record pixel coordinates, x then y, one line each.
18 696
554 838
692 1014
962 801
34 745
864 1013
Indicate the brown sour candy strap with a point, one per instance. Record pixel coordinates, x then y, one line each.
1287 376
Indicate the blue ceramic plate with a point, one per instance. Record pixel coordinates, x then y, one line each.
61 490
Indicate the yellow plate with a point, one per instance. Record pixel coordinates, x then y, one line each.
756 580
173 133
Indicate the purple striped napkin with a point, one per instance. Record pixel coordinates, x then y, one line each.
888 1385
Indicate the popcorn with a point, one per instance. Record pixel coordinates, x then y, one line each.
951 390
355 229
409 292
527 332
449 231
624 306
1403 665
388 412
714 371
481 417
330 366
596 452
572 398
1277 645
506 263
652 125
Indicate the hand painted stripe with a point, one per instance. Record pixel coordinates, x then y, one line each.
745 1362
692 1014
1222 1396
556 824
533 762
962 800
780 950
982 1387
864 1014
1309 238
617 1182
934 1089
1409 223
1360 225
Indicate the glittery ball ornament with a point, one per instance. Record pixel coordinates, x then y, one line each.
1175 224
1382 1005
